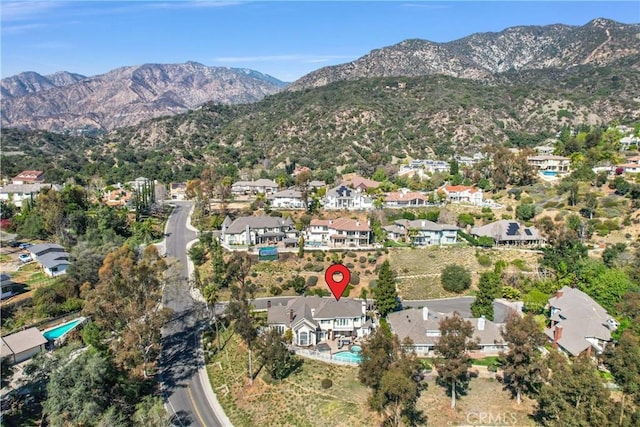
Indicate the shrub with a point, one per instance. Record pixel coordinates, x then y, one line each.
465 219
308 266
318 268
326 383
373 284
510 293
275 290
355 279
484 260
349 265
362 259
312 281
351 254
455 278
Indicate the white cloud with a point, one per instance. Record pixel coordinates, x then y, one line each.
17 11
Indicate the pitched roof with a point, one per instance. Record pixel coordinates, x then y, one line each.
30 175
256 222
54 259
358 181
423 224
36 187
342 224
293 194
507 230
312 309
43 247
460 188
24 340
398 196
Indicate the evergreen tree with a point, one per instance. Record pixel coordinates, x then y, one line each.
274 355
489 288
385 291
623 361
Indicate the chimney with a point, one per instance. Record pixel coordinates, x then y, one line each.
364 308
559 293
557 334
268 304
424 223
290 316
357 223
313 312
481 322
425 313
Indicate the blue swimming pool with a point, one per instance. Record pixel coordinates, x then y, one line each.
347 356
61 330
356 349
549 173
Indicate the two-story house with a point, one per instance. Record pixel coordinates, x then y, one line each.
18 193
343 197
550 164
462 194
286 199
258 230
421 232
313 319
405 198
578 324
631 166
28 177
260 186
339 233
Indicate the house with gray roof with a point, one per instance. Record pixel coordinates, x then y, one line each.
422 326
421 232
258 230
52 257
343 197
18 193
510 233
262 185
22 345
6 286
287 199
313 319
578 324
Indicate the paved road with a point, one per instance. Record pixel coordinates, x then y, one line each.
182 363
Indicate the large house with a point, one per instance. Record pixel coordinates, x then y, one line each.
343 197
261 186
258 230
18 193
405 199
359 183
422 232
287 199
422 326
462 194
508 232
313 319
23 345
578 323
28 177
336 233
632 165
52 257
550 163
178 190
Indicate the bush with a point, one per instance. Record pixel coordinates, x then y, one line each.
455 278
308 266
326 383
312 281
318 268
484 260
465 219
355 279
275 290
351 254
350 265
362 259
373 284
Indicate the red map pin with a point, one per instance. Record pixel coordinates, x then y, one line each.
337 286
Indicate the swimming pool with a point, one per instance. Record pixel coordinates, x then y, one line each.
549 173
356 349
61 330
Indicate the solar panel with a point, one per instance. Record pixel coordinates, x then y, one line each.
513 229
528 232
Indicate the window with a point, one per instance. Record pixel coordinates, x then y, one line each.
342 322
303 338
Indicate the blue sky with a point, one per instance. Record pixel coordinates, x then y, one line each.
285 39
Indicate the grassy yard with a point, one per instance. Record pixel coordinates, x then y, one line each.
300 401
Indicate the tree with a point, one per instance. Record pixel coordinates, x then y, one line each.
572 199
623 362
453 363
302 182
590 203
218 265
385 292
526 211
489 288
522 364
455 278
275 356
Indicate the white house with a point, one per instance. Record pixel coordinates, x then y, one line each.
632 165
578 323
287 199
343 197
17 193
263 186
28 177
551 164
257 230
52 257
23 345
422 232
462 194
627 141
336 233
405 198
313 319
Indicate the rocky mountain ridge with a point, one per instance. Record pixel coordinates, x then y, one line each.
125 96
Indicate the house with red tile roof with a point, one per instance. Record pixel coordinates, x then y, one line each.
28 177
359 183
405 198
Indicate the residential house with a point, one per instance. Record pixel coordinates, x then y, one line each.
339 233
261 186
509 232
117 197
632 165
178 190
578 323
287 199
316 184
428 165
422 232
23 345
550 164
28 177
258 230
53 258
469 161
359 183
462 194
141 182
544 150
343 197
422 326
18 193
313 319
628 142
405 198
6 286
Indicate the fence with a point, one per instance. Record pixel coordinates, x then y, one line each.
324 357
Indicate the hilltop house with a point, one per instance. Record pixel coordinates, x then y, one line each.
632 165
423 327
336 233
578 323
462 194
359 183
17 193
405 198
23 345
550 164
257 230
287 199
313 319
52 258
508 232
343 197
261 186
28 177
422 232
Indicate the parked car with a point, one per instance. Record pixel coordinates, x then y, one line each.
25 245
15 244
25 258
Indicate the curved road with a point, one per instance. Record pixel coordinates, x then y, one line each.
190 399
